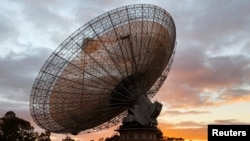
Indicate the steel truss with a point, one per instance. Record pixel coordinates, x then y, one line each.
90 80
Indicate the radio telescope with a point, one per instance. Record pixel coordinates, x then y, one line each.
106 71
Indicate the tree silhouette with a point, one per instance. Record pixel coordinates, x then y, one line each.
68 138
113 138
13 128
44 136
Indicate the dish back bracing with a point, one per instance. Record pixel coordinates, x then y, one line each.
96 74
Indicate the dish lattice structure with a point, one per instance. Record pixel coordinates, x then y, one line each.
93 77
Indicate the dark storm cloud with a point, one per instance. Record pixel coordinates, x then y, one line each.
234 95
196 84
88 10
21 67
54 19
212 57
8 30
231 70
18 71
43 14
11 105
207 20
213 72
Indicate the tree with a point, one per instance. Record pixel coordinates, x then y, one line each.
44 136
68 138
113 138
13 128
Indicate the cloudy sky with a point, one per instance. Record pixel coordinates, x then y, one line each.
208 82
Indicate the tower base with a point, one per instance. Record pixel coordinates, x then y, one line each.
133 131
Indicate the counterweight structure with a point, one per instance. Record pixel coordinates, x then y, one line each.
96 74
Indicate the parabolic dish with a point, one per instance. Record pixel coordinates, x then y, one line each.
91 79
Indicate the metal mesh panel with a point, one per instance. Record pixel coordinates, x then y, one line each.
90 80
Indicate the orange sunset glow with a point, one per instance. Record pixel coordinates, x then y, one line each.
209 81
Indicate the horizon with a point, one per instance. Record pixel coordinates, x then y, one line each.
207 83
